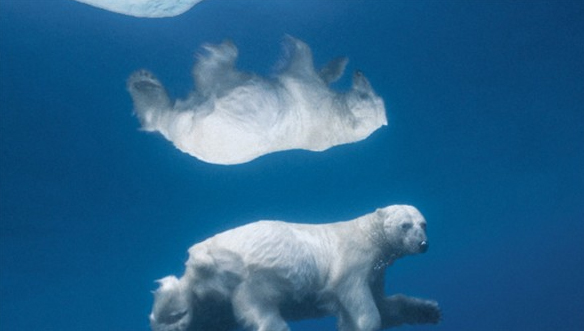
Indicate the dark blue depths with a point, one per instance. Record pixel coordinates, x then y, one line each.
486 137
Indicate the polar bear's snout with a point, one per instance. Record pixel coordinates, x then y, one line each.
424 246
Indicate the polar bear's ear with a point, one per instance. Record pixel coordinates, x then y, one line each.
381 213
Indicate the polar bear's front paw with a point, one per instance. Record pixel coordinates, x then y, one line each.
426 312
402 309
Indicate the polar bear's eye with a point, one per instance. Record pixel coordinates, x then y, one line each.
423 226
406 226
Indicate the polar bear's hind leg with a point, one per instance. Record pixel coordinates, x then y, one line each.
257 310
150 98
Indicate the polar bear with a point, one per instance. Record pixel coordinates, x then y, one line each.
259 275
234 117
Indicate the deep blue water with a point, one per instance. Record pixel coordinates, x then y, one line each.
485 101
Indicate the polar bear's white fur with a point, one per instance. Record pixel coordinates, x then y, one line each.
234 117
261 274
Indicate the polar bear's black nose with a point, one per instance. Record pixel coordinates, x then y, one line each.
424 246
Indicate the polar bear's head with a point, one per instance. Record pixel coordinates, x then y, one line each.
404 229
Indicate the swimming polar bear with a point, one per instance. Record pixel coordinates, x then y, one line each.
261 274
234 117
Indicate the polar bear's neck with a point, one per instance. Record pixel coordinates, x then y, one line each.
372 228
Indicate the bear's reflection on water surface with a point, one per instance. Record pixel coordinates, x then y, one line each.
234 117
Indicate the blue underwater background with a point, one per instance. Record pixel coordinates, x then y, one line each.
485 101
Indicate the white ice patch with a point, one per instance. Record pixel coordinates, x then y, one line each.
234 117
144 8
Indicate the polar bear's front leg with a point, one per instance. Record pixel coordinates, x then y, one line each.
358 309
399 309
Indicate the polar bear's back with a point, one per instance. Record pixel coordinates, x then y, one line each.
285 253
